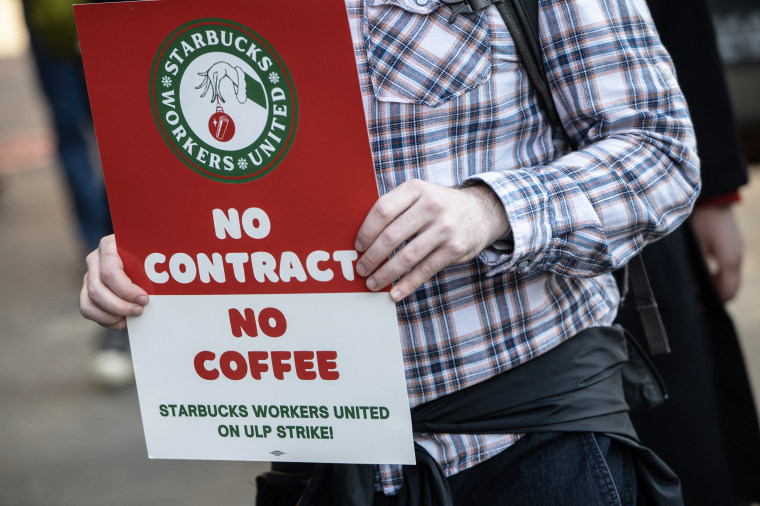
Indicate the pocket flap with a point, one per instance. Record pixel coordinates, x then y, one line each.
422 58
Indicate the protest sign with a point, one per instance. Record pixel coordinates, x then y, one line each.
238 171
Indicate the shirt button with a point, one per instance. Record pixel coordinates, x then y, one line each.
422 2
666 72
523 265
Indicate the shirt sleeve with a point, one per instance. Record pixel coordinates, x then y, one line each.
635 174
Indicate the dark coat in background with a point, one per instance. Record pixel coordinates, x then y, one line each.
708 430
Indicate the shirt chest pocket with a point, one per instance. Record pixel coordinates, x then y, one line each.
416 56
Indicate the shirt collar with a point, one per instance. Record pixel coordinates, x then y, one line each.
414 6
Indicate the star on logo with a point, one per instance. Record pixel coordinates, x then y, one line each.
166 81
242 163
274 78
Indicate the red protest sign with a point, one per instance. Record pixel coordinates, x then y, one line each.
219 106
238 170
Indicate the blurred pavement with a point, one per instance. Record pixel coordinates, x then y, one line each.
63 441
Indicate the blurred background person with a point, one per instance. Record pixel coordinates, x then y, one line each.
708 429
55 51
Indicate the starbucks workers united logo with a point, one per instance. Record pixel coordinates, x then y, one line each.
223 100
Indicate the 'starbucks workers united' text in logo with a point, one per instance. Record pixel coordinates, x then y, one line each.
223 100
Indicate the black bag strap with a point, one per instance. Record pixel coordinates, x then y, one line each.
646 306
521 19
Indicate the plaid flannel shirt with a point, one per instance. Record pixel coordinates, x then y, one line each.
450 104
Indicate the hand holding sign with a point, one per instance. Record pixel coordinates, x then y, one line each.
108 296
443 226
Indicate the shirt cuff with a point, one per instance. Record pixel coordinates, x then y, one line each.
524 201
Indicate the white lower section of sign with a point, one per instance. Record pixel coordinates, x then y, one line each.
330 388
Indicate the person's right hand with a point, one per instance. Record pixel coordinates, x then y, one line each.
108 296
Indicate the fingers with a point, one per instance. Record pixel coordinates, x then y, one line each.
108 295
728 284
387 208
423 270
415 263
399 216
92 312
727 273
722 246
440 226
407 227
112 275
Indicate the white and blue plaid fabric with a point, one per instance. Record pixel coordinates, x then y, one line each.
451 103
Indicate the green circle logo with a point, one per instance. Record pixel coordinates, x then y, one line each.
223 100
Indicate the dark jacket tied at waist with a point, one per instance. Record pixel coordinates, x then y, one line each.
589 383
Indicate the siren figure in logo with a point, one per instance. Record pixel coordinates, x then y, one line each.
220 124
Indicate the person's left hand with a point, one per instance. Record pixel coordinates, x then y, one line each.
721 244
443 226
